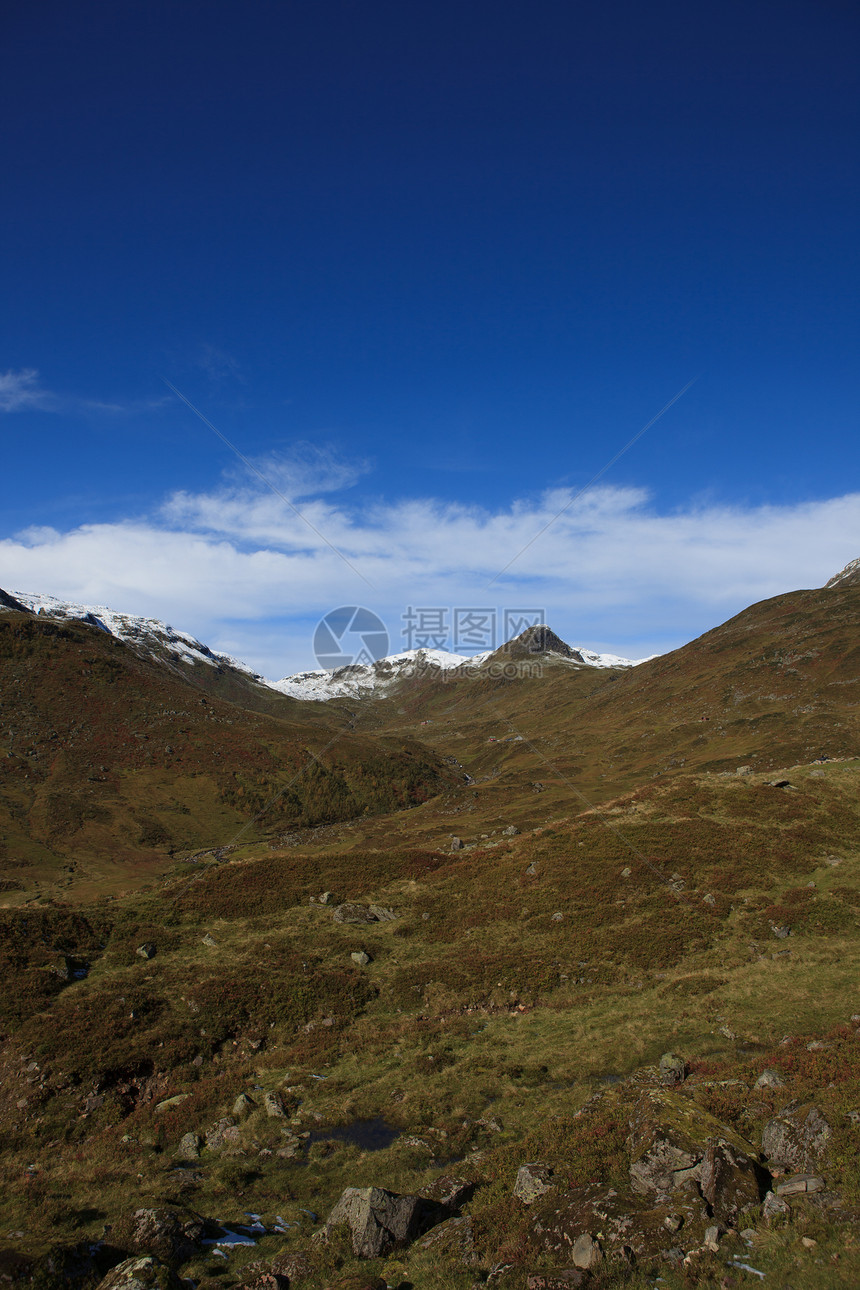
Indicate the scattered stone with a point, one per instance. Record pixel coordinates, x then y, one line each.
325 898
744 770
769 1079
816 774
361 958
833 861
709 899
673 1222
712 1239
796 1137
209 940
532 1181
673 1069
351 913
799 1184
243 1105
780 932
189 1146
141 1273
215 1136
774 1207
808 1242
274 1106
586 1252
456 844
383 914
380 1220
511 831
170 1102
626 872
557 916
146 951
531 872
450 1192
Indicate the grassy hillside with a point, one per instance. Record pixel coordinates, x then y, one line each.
356 994
111 764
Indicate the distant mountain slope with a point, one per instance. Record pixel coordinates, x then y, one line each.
378 680
111 762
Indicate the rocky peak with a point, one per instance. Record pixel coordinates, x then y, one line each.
537 640
847 577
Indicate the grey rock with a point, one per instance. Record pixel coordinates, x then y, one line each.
274 1106
383 914
243 1105
456 844
774 1207
558 916
215 1135
769 1079
781 933
360 958
140 1273
626 872
379 1221
532 1181
712 1239
352 913
730 1181
511 831
209 940
532 871
325 898
453 1240
189 1146
799 1185
169 1236
709 898
146 951
586 1253
797 1137
672 1069
449 1192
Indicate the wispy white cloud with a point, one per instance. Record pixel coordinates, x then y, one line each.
239 569
21 389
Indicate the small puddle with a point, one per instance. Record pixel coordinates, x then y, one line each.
369 1135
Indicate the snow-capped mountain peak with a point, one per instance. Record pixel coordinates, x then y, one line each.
147 635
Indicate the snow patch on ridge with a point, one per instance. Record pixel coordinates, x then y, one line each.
368 679
146 633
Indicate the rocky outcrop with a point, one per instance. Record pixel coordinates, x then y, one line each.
675 1144
797 1137
380 1221
171 1237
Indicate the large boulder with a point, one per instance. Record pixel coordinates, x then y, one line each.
797 1137
141 1273
380 1220
171 1237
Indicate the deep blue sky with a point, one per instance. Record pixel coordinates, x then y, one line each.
475 243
